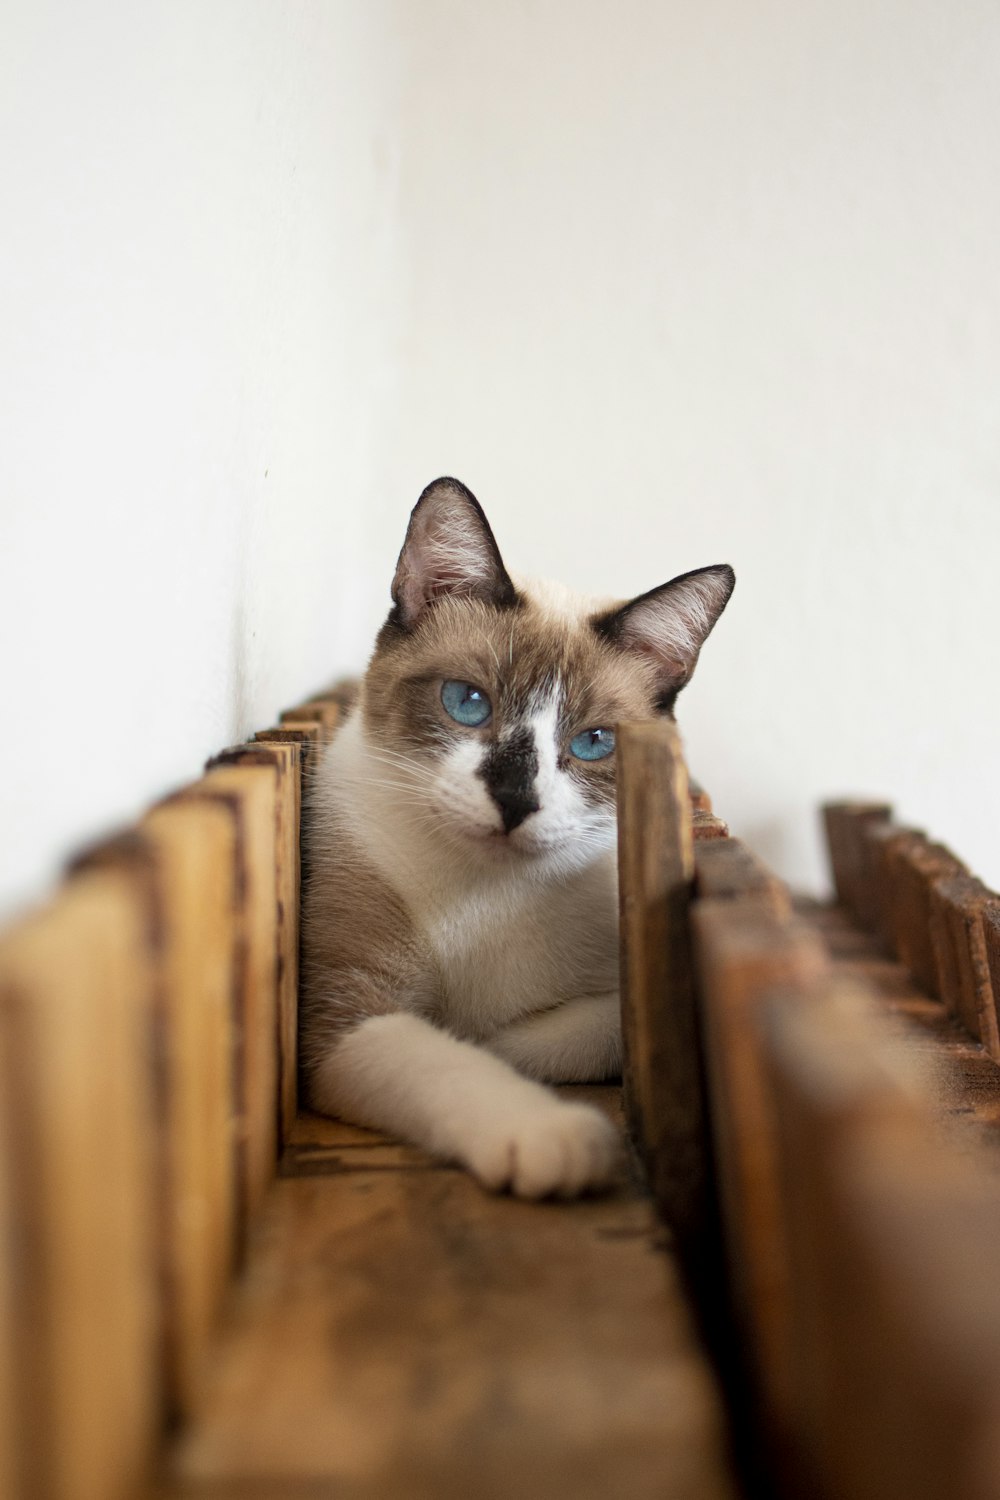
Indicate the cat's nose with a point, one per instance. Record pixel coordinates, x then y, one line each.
515 805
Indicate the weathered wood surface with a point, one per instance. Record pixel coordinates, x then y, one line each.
892 1241
79 1245
917 864
249 794
957 904
744 953
664 1093
404 1336
285 756
193 848
845 823
727 868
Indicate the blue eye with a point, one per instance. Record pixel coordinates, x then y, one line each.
593 744
466 703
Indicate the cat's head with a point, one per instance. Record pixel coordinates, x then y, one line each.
491 706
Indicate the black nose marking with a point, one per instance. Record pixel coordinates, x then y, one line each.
514 807
509 770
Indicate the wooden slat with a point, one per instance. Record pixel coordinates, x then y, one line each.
991 940
845 823
306 733
75 1006
743 954
192 852
882 844
663 1087
406 1336
956 906
10 1424
286 758
706 826
700 799
892 1242
917 863
323 711
249 794
727 868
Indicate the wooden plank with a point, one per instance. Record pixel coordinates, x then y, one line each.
882 843
700 800
744 953
727 868
75 1006
991 941
286 758
917 864
10 1422
249 794
892 1246
844 823
405 1336
323 711
192 850
957 903
706 825
662 1073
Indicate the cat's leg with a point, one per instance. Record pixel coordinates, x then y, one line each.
579 1041
400 1074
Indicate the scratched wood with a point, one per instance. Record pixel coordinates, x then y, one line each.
892 1239
191 851
406 1336
75 1010
285 756
743 953
249 794
662 1072
845 823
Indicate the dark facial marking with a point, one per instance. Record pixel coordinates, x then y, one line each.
509 769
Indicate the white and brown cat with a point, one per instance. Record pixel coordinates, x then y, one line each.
461 916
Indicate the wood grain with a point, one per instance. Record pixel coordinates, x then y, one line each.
663 1086
744 953
844 823
917 864
192 846
248 793
957 903
727 868
75 1006
892 1243
285 756
404 1336
10 1380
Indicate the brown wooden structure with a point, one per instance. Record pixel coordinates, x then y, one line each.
205 1293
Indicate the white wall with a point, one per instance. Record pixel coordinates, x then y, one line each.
711 282
666 285
200 286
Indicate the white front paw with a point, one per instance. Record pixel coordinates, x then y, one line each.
560 1150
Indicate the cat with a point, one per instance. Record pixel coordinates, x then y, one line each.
460 919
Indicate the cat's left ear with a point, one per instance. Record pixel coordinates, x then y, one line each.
670 624
449 549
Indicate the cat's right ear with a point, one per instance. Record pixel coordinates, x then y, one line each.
449 550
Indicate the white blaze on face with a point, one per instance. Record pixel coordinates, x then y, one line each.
460 791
